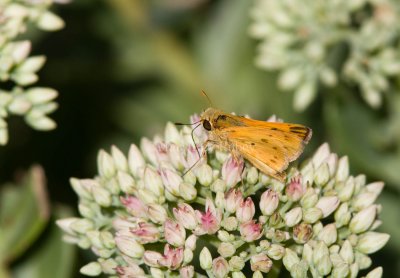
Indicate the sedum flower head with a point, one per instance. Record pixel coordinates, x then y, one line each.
306 41
17 67
137 217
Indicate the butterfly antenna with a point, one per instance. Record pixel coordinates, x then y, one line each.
208 99
198 152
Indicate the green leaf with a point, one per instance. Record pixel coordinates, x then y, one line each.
24 213
52 257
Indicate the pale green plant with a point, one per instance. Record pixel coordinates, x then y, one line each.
143 217
20 69
319 44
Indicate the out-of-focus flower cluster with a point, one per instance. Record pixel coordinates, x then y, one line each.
318 42
143 218
17 67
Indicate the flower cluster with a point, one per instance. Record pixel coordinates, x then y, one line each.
17 67
143 217
317 42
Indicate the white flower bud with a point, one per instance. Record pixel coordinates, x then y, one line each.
121 163
371 242
293 216
32 64
328 205
290 259
205 259
91 269
375 273
136 161
328 234
50 22
346 252
363 220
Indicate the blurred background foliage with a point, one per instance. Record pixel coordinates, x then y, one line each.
124 68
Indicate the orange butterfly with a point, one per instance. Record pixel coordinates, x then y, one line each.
269 146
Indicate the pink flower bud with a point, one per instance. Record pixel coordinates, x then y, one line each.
146 232
134 206
232 170
246 210
210 220
132 270
233 198
250 230
173 257
187 271
260 262
295 189
186 216
269 202
174 233
220 267
171 180
162 152
192 157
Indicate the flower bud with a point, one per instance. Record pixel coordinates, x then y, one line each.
250 230
269 202
205 259
149 150
312 215
328 205
324 265
172 135
126 182
328 234
257 274
171 180
232 171
293 216
346 192
91 269
375 273
105 164
136 161
276 251
321 155
238 274
81 226
156 213
246 210
343 169
129 246
363 220
190 242
218 186
204 175
371 242
236 263
187 271
252 176
173 257
210 220
302 233
220 267
156 272
340 270
342 215
363 200
146 233
307 254
233 199
152 258
176 157
346 252
260 262
320 250
290 259
322 175
294 190
187 256
174 233
185 215
121 163
229 223
226 249
134 206
309 199
224 235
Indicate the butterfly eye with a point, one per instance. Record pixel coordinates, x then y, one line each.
206 125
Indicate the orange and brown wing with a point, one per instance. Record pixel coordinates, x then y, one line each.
269 146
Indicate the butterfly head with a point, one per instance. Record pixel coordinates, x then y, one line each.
208 118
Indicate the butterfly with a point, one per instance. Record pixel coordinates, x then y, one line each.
269 146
